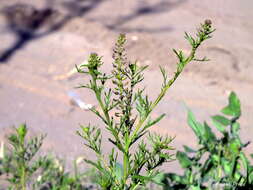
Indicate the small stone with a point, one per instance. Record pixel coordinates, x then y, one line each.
134 38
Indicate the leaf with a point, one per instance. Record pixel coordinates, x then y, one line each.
235 146
159 179
153 122
188 149
176 178
219 126
215 158
208 166
193 187
183 159
22 130
235 128
222 120
245 162
234 106
196 126
143 178
227 166
209 135
118 171
251 178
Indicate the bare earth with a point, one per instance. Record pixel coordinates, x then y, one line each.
34 80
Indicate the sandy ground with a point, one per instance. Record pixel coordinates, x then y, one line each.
33 79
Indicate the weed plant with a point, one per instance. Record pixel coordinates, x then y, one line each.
133 162
24 169
126 113
219 162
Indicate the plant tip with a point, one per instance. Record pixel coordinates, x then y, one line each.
208 22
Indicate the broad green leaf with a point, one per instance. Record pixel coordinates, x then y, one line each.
250 174
188 149
235 128
215 158
176 178
219 126
208 165
235 146
209 135
227 166
221 119
245 161
159 179
234 106
196 126
183 159
193 187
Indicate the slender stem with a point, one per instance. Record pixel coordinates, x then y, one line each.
23 178
163 92
125 166
136 186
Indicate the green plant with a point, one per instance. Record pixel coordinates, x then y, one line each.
126 113
18 165
24 169
219 162
56 178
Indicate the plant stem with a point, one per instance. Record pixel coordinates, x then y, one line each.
163 92
23 178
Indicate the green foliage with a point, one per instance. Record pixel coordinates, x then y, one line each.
24 169
18 165
219 161
126 113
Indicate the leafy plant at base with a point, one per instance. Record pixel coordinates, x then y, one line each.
218 162
18 165
23 169
126 113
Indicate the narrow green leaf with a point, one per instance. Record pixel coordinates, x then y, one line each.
153 122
